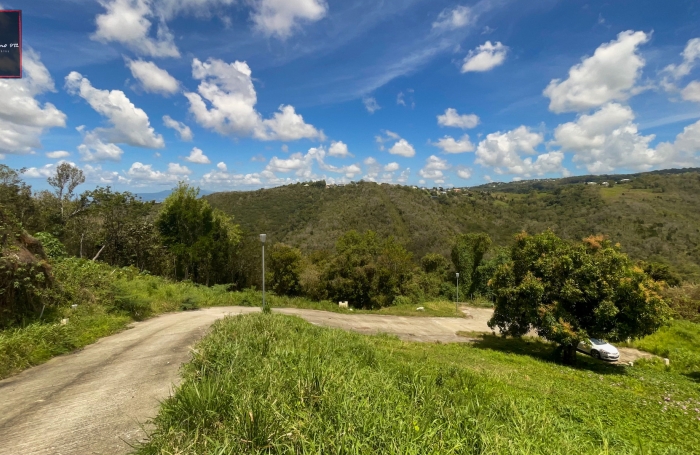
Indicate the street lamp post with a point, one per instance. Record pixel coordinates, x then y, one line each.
263 237
457 301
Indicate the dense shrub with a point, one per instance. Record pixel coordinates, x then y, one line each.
53 247
25 274
368 271
685 301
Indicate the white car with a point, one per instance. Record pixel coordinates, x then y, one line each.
599 349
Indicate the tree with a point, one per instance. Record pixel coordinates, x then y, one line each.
16 196
285 264
660 272
434 263
121 223
467 254
487 269
201 239
64 182
568 292
368 271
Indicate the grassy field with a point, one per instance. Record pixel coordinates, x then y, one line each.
276 384
678 342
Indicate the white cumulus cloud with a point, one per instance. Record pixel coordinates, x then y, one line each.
692 92
302 165
690 55
280 17
464 172
485 57
94 149
178 169
130 124
608 140
453 119
228 88
23 119
152 78
609 75
43 172
58 154
503 152
339 149
433 169
684 151
143 174
287 125
183 130
129 22
142 25
448 144
391 167
402 148
197 156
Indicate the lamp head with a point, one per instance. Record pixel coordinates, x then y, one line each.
457 274
263 237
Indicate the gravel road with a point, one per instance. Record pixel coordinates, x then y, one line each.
96 400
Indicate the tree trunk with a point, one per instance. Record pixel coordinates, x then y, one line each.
566 354
98 253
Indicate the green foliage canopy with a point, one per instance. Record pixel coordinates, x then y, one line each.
200 238
367 270
568 292
467 254
285 268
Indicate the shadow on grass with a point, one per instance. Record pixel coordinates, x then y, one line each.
695 375
540 350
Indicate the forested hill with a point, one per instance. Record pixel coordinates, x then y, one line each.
655 216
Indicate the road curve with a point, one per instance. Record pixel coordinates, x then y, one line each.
96 400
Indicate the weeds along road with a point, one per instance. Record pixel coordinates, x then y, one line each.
97 400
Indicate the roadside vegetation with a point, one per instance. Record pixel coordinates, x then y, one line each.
276 384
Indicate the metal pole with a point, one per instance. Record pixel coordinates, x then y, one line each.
457 292
263 277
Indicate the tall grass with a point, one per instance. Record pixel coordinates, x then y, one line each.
276 384
106 300
679 342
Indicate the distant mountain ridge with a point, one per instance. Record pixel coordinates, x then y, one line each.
162 195
653 215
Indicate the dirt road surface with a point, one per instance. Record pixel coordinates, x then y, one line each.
96 400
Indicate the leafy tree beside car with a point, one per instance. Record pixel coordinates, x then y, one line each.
570 292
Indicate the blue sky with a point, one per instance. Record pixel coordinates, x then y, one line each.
244 94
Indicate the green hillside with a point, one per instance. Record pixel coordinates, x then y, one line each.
654 215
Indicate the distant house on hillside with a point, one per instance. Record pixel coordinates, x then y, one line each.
624 180
605 184
591 183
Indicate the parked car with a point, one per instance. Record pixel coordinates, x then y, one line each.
599 349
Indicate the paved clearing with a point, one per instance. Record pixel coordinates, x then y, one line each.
95 401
